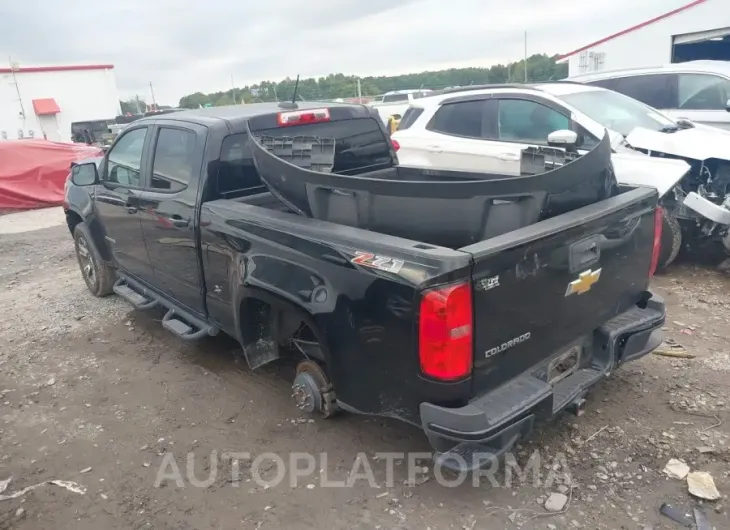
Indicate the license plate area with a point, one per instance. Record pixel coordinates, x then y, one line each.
564 365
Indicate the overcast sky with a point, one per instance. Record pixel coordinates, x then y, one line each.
185 46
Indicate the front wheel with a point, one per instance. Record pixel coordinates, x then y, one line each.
98 275
671 241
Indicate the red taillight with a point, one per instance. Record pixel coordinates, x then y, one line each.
395 143
445 333
302 117
656 249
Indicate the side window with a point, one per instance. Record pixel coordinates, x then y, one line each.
174 159
587 140
703 92
459 119
125 159
655 90
521 120
237 173
392 98
410 116
360 143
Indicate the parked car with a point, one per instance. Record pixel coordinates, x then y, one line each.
93 132
486 128
394 104
472 344
696 90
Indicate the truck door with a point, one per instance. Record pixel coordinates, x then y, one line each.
167 211
117 202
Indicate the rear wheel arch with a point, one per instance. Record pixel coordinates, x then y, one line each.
266 322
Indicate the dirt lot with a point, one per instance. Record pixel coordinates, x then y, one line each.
94 393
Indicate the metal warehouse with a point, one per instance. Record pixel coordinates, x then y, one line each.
43 101
697 30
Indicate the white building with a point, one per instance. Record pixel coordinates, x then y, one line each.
697 30
43 101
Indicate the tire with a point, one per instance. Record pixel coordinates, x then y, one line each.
97 274
671 241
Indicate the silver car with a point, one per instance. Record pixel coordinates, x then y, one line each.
696 90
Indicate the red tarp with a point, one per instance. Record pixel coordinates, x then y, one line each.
33 172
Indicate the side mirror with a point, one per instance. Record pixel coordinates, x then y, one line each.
684 123
727 105
565 138
84 174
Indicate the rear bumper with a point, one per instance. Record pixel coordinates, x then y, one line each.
467 438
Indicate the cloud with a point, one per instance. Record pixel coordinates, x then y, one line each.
185 46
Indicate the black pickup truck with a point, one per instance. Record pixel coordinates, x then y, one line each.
473 344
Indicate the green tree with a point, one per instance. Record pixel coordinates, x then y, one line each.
540 67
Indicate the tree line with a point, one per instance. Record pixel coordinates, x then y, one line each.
539 67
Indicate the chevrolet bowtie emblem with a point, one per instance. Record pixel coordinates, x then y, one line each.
584 282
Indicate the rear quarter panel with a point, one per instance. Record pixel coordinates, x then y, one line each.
365 317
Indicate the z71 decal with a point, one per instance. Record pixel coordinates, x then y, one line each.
382 263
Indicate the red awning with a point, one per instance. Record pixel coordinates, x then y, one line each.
45 107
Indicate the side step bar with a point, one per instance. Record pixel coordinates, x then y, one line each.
177 321
138 300
184 330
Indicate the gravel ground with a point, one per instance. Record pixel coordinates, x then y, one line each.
99 395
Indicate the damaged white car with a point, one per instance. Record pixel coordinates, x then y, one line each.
488 128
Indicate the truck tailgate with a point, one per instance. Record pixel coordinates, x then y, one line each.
543 290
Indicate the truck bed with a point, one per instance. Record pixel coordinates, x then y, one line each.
264 200
524 311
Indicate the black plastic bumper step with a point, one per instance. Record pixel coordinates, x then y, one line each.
573 386
519 394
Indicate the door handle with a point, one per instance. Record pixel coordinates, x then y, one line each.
435 149
179 222
584 253
510 157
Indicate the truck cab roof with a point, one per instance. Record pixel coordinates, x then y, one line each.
240 114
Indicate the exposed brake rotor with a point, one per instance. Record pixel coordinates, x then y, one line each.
312 391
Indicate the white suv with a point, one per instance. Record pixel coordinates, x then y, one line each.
695 90
486 129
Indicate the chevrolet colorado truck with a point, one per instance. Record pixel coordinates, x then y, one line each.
474 345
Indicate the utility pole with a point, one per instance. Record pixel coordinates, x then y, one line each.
525 57
233 90
136 100
359 91
17 88
154 102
